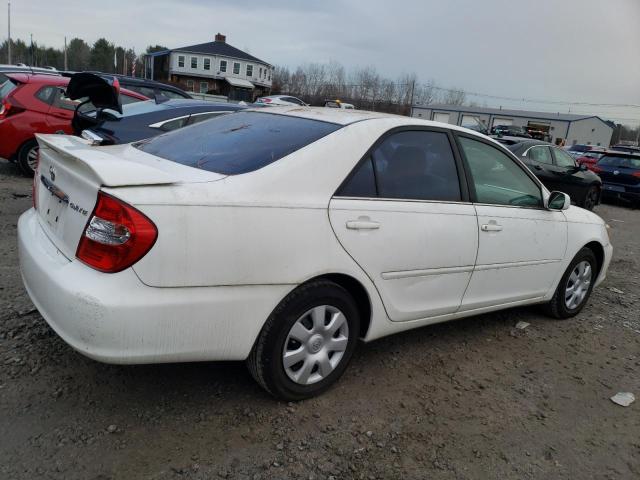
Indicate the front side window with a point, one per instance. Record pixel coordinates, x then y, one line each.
411 165
194 62
223 65
540 154
207 64
249 70
498 179
563 159
181 61
238 142
236 68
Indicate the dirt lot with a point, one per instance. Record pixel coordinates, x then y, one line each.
470 399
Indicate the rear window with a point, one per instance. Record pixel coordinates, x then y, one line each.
6 86
615 161
237 143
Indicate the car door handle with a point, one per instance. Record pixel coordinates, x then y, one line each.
491 227
362 225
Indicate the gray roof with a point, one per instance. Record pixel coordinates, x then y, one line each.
219 48
567 117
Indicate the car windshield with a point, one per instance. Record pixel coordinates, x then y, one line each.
237 143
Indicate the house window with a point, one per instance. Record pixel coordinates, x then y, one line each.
260 74
207 64
194 62
236 68
204 87
223 65
249 70
181 61
190 85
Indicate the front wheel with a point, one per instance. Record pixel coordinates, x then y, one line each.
307 342
591 198
575 286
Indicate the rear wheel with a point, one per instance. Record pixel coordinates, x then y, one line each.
28 157
575 286
591 198
307 342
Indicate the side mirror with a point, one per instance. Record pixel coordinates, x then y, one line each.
582 167
558 201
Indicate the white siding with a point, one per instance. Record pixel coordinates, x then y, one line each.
215 72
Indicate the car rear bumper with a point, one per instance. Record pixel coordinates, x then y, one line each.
625 192
115 318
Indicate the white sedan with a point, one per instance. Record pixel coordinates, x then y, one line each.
281 236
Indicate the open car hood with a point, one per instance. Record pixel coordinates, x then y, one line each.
101 92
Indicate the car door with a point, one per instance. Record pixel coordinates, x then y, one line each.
61 112
570 179
403 215
521 244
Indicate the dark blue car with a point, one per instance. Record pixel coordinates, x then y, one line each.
146 119
620 174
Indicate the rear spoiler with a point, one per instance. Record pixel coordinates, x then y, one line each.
106 169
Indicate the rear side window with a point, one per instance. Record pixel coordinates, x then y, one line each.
411 165
237 143
6 86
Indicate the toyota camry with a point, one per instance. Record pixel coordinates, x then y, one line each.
282 236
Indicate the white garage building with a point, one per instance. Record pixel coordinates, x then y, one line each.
584 129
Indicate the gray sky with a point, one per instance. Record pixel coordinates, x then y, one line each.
568 50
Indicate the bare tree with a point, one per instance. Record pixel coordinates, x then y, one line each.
454 96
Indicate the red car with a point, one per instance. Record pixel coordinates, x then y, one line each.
36 103
590 158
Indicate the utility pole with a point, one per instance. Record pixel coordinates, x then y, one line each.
9 28
638 135
31 35
66 67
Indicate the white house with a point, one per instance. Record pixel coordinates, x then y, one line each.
214 67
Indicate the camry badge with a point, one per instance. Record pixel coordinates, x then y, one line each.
52 173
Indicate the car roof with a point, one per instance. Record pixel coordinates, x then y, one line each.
617 153
44 78
332 115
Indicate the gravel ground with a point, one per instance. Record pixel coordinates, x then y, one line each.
476 398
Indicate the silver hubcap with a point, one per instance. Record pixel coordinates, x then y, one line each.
315 345
578 285
32 158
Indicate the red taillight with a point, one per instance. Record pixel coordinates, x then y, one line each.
116 236
265 100
636 174
9 107
595 169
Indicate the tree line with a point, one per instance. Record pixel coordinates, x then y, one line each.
364 87
102 56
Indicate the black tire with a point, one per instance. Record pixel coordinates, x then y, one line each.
557 306
591 198
265 360
25 151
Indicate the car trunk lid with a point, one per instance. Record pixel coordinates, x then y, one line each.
70 174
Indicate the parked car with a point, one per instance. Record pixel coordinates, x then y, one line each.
273 100
559 171
590 158
338 104
620 173
4 69
626 148
581 148
31 104
259 235
148 88
147 119
510 130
